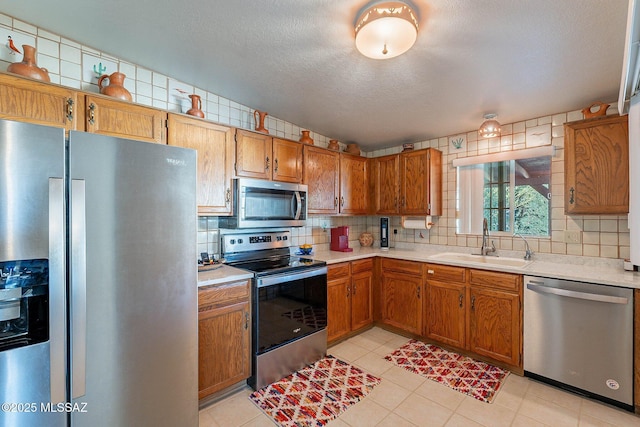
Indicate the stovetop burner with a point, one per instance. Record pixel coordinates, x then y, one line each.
264 253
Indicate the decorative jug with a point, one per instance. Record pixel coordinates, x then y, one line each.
28 66
305 138
116 87
333 145
196 106
259 117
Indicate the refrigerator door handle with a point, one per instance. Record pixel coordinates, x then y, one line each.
78 288
57 293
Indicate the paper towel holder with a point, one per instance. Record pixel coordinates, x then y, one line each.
419 223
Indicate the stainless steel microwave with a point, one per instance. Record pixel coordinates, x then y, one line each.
259 204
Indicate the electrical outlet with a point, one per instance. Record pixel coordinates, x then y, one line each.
571 236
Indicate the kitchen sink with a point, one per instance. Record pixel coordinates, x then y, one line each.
480 259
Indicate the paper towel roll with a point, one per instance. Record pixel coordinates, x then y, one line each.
417 223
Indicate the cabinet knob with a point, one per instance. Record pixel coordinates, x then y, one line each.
227 196
431 272
70 109
354 289
473 303
92 115
246 320
275 162
571 198
335 202
348 291
460 298
418 292
266 163
342 201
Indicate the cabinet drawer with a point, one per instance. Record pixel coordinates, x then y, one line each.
410 267
225 293
362 265
338 270
493 279
446 273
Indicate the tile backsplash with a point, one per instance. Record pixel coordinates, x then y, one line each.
78 66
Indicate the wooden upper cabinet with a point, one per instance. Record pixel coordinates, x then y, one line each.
29 100
214 144
253 154
387 184
421 182
322 177
353 184
122 119
287 160
261 156
596 166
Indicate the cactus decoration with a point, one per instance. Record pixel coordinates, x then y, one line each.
100 71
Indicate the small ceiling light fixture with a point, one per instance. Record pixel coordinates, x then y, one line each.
386 29
490 127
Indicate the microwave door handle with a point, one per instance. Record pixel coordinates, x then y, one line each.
298 205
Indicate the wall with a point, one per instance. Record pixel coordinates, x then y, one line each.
72 64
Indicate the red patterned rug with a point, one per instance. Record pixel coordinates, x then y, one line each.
464 374
316 394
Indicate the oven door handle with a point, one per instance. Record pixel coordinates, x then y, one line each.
298 209
289 277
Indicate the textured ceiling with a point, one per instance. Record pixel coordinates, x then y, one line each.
297 59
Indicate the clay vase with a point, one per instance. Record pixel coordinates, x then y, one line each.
259 117
28 66
333 145
196 106
116 87
305 138
353 149
601 111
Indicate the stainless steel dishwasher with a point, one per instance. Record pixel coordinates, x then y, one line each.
579 336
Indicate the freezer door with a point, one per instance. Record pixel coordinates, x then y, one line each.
133 282
32 227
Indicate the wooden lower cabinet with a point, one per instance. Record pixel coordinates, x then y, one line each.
349 297
401 299
224 336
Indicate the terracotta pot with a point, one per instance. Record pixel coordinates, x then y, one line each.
305 138
28 66
116 87
334 145
353 149
196 106
366 239
259 117
601 111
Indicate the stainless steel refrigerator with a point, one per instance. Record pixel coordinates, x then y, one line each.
98 287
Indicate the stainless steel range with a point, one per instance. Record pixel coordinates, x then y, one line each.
289 303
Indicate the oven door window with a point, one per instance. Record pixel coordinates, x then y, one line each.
284 312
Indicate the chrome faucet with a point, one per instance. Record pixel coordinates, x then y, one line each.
486 249
528 252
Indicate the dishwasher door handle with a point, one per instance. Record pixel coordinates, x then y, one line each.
575 294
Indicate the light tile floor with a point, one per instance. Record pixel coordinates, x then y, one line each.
406 399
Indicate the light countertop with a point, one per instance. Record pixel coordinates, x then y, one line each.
584 269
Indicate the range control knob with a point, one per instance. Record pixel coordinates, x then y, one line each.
239 241
279 238
284 237
232 241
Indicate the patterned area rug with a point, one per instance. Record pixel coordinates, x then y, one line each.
316 394
308 316
464 374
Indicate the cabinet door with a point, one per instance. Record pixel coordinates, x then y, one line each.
387 184
322 177
495 325
287 160
445 312
223 347
124 120
27 100
421 182
353 184
361 299
597 166
214 144
338 307
402 301
253 155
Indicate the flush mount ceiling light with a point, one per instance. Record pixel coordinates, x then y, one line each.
386 29
490 127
